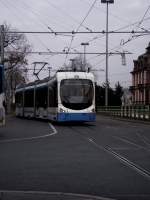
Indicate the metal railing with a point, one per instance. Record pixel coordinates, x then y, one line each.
135 112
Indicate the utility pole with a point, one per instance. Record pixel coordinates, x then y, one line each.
84 45
49 70
107 53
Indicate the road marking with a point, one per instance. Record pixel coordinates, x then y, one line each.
143 139
90 139
119 157
122 159
57 194
53 128
132 143
32 138
124 148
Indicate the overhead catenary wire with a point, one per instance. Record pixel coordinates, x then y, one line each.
90 9
104 11
77 29
136 36
39 21
36 13
46 25
60 10
141 21
121 28
131 37
71 53
18 17
79 32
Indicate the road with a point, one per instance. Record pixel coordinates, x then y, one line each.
109 158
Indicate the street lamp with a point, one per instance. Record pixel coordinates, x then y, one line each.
107 53
84 44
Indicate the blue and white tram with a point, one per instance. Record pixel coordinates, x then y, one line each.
69 96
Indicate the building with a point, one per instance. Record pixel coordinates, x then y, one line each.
141 79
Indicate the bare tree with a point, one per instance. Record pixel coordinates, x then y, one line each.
15 62
78 64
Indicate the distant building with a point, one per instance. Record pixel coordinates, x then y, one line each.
141 79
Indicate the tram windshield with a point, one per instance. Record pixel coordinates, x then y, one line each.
76 93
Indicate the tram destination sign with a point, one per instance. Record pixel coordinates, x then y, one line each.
107 1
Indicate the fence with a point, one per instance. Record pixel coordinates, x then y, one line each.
134 112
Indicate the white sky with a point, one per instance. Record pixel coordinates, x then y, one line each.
66 15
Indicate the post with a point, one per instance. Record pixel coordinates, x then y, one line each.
84 60
106 88
107 53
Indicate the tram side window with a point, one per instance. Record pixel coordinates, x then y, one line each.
41 97
29 98
53 102
51 97
19 99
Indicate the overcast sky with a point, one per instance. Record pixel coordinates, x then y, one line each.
66 15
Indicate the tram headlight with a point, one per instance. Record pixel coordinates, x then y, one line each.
61 110
93 110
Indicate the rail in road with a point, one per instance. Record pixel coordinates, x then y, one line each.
121 158
94 159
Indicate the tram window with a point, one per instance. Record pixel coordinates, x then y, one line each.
76 94
19 98
41 97
29 98
53 95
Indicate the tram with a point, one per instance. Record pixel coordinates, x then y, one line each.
68 96
2 97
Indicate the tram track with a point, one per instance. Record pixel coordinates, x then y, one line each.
131 143
132 165
143 138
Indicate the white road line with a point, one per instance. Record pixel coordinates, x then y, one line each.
32 138
53 128
78 196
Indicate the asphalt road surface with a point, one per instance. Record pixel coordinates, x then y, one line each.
109 158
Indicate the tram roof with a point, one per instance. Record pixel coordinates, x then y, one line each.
77 74
59 75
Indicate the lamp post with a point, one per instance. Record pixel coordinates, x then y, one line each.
73 65
107 53
85 44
